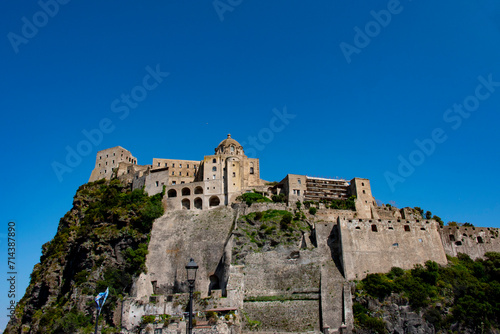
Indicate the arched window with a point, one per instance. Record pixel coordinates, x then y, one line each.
214 160
198 203
251 170
214 169
186 191
198 190
232 149
186 204
172 193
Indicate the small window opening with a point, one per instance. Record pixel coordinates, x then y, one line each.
479 240
452 237
374 228
407 228
458 243
358 228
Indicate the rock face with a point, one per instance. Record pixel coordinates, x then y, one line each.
398 316
101 242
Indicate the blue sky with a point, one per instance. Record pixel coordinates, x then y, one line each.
356 85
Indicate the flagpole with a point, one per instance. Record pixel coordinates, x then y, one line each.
96 320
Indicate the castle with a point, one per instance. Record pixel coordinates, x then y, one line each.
220 178
311 278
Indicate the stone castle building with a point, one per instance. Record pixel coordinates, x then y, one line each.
220 178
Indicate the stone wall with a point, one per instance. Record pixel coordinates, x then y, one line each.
473 241
371 246
284 316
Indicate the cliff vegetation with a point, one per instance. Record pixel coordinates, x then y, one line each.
462 297
101 242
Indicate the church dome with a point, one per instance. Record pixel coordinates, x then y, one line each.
229 146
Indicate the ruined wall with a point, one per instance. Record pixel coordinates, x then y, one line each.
370 246
108 159
473 241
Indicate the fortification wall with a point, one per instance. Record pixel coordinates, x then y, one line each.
371 246
285 316
473 241
290 275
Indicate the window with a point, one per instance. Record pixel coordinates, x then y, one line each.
180 173
187 174
299 181
251 170
214 169
173 173
157 183
374 228
234 174
173 182
214 160
232 149
294 191
479 240
298 192
213 177
182 182
407 228
364 192
158 164
100 157
452 237
362 183
165 164
173 165
99 164
180 165
187 166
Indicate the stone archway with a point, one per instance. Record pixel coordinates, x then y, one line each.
214 201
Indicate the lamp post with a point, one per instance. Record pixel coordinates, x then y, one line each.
191 269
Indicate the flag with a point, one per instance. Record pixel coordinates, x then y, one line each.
100 299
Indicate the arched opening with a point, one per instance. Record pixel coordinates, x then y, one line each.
186 204
198 190
172 193
214 284
214 201
186 191
214 169
198 203
374 228
214 160
479 240
407 228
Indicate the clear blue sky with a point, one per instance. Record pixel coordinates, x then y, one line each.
362 80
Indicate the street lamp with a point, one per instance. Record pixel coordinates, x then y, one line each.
191 269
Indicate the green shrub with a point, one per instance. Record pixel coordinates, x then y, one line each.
281 198
312 210
254 197
258 215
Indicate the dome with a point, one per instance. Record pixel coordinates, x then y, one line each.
229 146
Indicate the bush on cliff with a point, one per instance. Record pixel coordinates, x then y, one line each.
465 292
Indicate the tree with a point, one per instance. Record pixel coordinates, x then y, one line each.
428 215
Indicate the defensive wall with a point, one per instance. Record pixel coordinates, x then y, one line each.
371 246
473 241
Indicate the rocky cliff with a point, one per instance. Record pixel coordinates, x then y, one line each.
101 242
